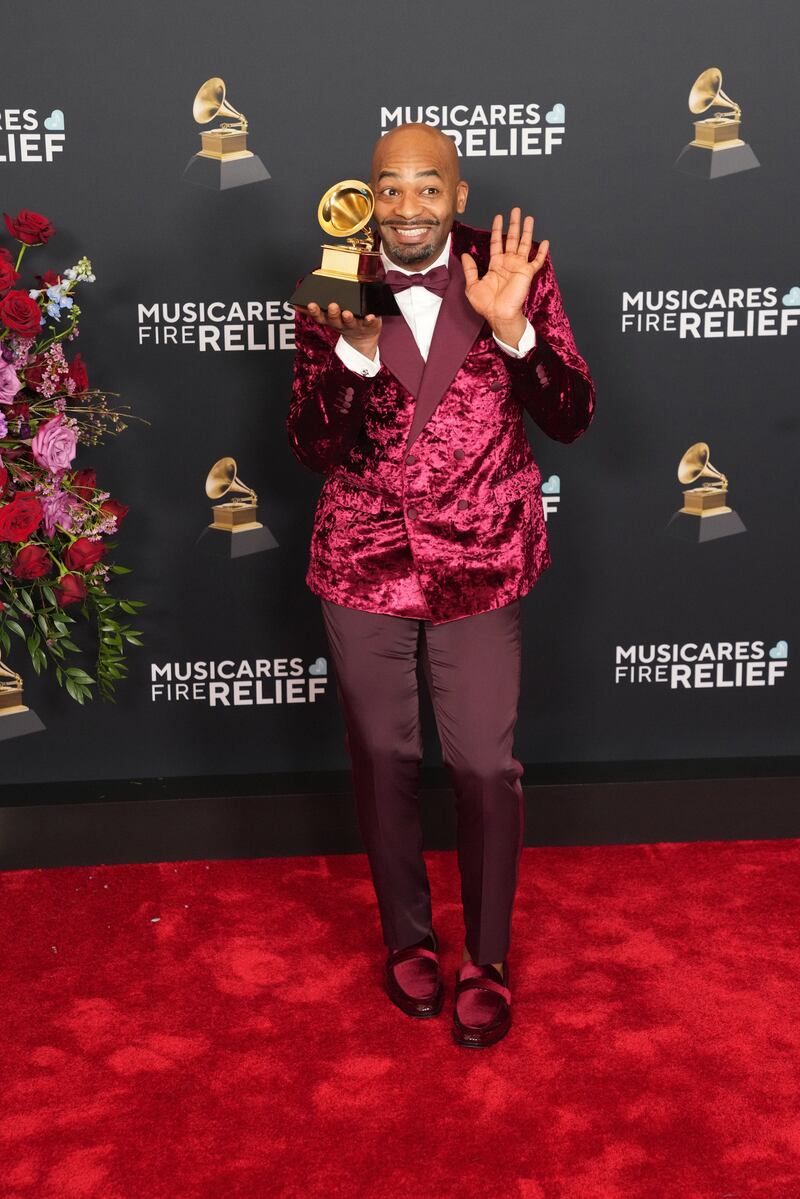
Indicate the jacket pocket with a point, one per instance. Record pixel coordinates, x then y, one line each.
345 494
521 483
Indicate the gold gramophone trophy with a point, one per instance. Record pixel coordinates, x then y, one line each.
235 520
716 148
705 515
350 274
15 717
223 160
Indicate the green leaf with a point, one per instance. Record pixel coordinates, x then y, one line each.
16 628
43 625
65 641
121 570
49 594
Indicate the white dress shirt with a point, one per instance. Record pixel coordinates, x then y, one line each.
420 308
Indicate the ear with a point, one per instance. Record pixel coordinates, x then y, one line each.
462 191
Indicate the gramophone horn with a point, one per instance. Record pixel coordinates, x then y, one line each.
346 208
695 465
707 92
222 478
210 102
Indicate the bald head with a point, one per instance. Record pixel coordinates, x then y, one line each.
418 192
416 140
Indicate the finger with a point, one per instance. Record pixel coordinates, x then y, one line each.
496 240
512 240
541 254
315 313
334 313
348 320
470 269
525 241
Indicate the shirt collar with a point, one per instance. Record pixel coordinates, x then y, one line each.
442 260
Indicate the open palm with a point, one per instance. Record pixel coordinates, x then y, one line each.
500 295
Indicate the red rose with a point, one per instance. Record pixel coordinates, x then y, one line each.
20 517
30 227
70 589
48 279
83 553
77 372
3 480
8 276
32 562
20 313
19 410
84 483
115 508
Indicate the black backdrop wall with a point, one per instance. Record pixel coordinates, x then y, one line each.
683 292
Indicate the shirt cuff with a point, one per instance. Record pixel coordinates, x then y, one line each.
526 343
354 360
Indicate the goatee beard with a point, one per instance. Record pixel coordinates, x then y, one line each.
409 255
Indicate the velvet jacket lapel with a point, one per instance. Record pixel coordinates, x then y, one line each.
457 326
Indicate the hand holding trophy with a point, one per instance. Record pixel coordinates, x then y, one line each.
346 292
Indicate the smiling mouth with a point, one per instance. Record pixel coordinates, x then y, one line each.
411 233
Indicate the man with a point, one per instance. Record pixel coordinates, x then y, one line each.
429 529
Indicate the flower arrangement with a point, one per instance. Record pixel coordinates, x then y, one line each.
55 521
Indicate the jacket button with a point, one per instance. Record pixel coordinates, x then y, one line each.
411 460
462 504
458 454
412 514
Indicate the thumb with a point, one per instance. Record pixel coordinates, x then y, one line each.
470 269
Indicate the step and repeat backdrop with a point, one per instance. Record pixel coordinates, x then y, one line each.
656 147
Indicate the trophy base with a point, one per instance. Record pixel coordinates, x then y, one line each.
17 721
705 163
362 299
698 529
236 543
222 173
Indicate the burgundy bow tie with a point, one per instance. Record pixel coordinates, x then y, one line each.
435 280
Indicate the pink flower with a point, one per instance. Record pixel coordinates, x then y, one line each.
54 445
9 383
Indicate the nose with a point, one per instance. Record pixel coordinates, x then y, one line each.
408 206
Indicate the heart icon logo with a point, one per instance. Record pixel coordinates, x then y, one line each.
55 120
557 115
552 486
780 650
318 667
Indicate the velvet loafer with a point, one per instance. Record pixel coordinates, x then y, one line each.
413 978
482 1010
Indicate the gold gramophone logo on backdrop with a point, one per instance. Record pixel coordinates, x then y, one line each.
235 530
350 274
223 159
15 717
706 514
716 148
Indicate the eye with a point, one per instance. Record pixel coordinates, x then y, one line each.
388 191
430 191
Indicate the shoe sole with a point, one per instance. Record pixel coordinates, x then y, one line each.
417 1015
478 1044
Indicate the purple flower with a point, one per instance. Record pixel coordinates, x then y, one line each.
54 445
3 426
9 383
57 510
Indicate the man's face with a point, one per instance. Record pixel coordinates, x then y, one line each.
417 194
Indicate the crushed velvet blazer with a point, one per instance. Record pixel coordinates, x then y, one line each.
431 506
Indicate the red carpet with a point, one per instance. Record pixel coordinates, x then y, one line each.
213 1030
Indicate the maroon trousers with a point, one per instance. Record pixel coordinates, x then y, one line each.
472 668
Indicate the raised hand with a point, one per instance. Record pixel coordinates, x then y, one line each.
500 295
361 332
